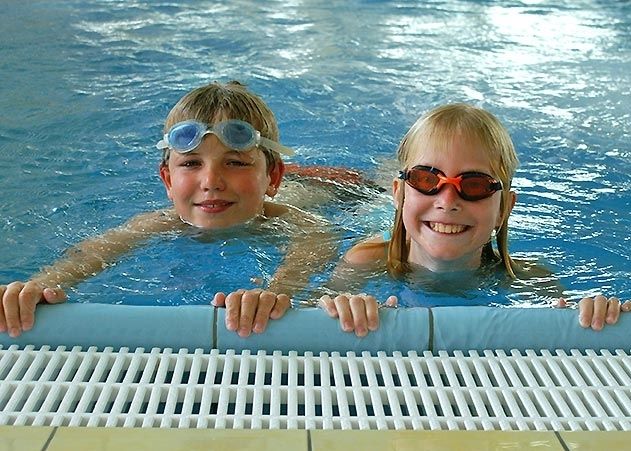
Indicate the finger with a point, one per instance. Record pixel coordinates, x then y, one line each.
266 301
626 307
54 295
600 311
392 301
283 303
219 299
30 295
560 303
344 312
233 309
249 306
3 321
360 318
328 304
613 310
585 312
372 313
11 305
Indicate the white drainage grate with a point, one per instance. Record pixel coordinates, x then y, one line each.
492 390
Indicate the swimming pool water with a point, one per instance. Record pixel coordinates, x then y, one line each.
86 86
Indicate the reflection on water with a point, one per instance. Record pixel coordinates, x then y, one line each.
86 86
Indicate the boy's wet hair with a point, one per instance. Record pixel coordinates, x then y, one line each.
216 102
438 128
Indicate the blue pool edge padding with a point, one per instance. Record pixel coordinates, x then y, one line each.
311 330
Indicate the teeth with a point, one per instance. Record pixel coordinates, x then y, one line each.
446 228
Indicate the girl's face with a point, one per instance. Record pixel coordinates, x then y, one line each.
447 232
214 187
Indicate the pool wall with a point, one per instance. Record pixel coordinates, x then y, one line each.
301 330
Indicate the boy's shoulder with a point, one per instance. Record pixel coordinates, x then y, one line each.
156 221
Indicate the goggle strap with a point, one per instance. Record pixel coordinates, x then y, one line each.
162 144
277 147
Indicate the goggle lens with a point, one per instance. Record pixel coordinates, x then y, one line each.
240 135
185 137
469 185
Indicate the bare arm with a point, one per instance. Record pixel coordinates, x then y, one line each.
19 299
92 255
314 245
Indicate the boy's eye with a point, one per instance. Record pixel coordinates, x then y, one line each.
190 163
238 163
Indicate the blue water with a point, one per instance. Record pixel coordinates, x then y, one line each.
85 87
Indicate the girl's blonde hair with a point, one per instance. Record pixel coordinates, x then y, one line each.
439 127
218 102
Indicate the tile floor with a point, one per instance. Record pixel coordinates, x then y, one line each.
34 438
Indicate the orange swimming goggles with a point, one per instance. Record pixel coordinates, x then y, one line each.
471 186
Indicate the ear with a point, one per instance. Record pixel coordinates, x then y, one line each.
397 190
276 176
165 176
511 203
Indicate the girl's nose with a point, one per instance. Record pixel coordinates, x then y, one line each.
448 198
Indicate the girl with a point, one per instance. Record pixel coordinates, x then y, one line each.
453 198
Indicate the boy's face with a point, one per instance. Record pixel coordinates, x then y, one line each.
214 187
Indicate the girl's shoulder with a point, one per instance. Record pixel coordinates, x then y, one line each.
371 250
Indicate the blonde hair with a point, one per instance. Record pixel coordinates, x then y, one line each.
216 102
438 127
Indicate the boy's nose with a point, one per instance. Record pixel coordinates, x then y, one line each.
213 178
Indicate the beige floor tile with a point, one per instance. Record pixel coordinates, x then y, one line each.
24 438
433 440
155 439
597 440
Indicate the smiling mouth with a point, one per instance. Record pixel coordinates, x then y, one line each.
446 228
214 205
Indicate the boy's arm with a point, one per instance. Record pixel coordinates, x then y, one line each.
83 260
92 255
314 245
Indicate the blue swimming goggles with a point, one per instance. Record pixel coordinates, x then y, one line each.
237 135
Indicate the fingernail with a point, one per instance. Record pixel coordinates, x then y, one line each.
258 328
14 332
27 326
244 333
347 327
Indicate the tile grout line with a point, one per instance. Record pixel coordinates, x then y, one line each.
50 438
309 446
430 338
214 344
563 444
